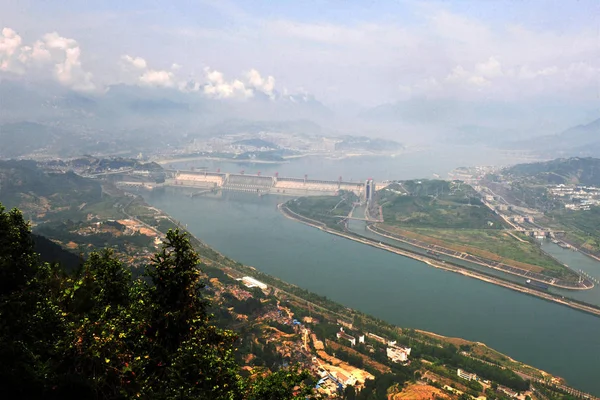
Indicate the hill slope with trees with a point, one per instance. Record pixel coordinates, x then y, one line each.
99 334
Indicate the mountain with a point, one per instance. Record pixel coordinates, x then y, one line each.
581 140
575 170
492 123
130 119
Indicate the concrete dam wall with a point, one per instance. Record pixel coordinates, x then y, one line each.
261 184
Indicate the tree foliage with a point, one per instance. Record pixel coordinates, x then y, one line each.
99 334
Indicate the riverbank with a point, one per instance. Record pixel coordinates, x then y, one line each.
440 265
587 285
499 359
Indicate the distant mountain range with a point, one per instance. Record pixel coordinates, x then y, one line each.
487 122
125 104
45 117
581 140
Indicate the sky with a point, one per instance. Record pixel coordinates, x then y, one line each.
342 52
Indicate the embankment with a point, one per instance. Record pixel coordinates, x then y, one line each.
441 265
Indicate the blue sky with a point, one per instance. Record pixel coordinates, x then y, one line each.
367 52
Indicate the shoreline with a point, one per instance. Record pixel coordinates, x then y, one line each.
433 334
285 159
390 235
436 264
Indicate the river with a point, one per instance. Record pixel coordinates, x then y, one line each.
400 290
412 165
569 257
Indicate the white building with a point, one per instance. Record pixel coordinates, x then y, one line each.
466 375
361 339
397 354
251 282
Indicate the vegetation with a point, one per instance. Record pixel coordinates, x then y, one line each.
325 209
518 250
576 170
436 204
583 227
451 215
100 334
23 182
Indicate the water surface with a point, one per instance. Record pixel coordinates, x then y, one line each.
397 289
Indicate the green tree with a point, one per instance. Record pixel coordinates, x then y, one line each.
99 334
31 323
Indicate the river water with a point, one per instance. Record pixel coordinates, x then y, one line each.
571 258
414 165
400 290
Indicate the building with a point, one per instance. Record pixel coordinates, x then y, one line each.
344 323
361 339
397 354
375 337
466 375
507 391
343 335
251 282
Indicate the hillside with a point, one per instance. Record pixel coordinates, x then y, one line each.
259 324
575 170
103 335
581 140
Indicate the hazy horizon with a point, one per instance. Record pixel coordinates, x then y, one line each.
415 72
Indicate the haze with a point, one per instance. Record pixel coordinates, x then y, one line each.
415 72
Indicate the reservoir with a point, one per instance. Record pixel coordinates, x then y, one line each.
400 290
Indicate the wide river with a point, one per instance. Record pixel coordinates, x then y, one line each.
403 291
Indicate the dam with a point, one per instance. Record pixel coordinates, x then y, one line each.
261 185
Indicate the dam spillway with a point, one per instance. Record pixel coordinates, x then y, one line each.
262 184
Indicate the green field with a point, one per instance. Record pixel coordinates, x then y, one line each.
324 209
495 244
582 227
451 215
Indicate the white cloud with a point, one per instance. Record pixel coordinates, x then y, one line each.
64 54
10 43
157 78
461 76
256 81
38 54
134 62
489 69
369 57
137 71
217 87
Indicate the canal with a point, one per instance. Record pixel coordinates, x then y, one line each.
400 290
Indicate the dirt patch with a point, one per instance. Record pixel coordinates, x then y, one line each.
341 368
147 232
127 222
420 392
368 361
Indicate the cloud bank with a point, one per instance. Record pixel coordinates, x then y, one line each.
366 53
52 53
